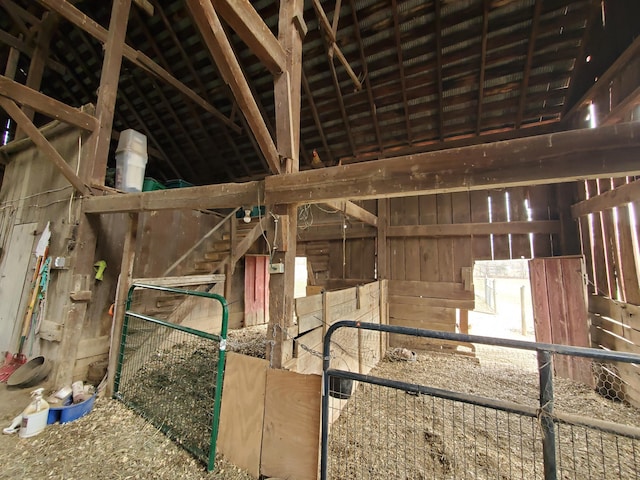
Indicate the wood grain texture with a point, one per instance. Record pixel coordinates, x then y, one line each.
242 412
291 440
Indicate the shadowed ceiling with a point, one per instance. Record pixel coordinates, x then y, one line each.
426 73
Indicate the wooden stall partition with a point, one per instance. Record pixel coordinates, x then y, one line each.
560 311
426 305
357 351
291 434
270 419
616 326
242 413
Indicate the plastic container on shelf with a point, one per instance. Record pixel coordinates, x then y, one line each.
178 183
150 184
131 161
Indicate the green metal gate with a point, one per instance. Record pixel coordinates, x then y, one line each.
172 375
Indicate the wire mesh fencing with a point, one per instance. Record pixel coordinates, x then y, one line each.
172 375
512 410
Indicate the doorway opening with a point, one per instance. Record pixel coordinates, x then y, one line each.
503 300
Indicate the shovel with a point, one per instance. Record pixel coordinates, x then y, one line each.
13 362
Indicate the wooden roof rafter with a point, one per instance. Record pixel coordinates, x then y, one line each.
535 22
403 81
316 118
165 64
218 44
332 40
367 83
83 22
483 63
438 29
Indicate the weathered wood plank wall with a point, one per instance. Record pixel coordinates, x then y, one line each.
608 218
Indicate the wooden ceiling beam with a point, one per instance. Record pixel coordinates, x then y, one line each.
18 44
333 46
46 105
483 64
185 57
367 82
207 21
553 158
354 211
139 59
537 9
43 144
227 195
248 24
439 69
403 79
316 119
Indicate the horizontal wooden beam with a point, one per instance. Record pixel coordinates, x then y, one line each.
354 211
19 45
183 281
553 158
618 197
248 24
43 144
139 59
46 105
472 229
317 233
228 195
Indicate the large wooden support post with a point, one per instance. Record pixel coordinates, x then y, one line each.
382 249
75 314
287 98
124 282
108 89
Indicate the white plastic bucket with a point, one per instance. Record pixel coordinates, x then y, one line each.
131 160
130 168
33 423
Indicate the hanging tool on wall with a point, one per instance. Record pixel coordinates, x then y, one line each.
99 267
12 362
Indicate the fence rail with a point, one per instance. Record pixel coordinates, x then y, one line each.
172 375
405 429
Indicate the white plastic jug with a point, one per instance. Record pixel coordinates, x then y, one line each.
34 417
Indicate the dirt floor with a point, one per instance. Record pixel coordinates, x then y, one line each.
112 442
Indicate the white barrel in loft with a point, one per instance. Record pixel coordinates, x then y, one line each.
131 160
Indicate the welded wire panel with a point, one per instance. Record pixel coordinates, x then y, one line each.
499 413
588 453
168 376
387 433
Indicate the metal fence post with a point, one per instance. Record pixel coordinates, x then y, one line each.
545 369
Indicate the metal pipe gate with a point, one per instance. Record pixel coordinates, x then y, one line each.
555 453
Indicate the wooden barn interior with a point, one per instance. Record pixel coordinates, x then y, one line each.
392 144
